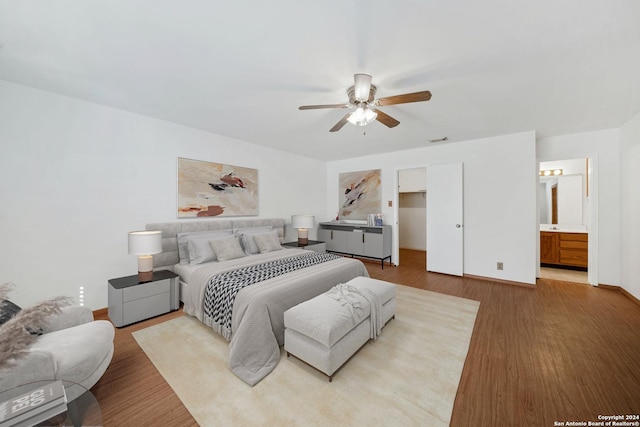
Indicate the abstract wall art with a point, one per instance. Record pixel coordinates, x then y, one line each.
215 189
360 194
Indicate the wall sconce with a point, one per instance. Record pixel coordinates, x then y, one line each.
303 223
145 244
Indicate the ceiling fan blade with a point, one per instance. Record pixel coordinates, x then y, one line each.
315 107
404 99
386 119
341 123
361 86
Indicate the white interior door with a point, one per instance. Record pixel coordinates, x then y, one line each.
444 219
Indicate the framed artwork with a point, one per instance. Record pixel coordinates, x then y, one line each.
360 194
208 189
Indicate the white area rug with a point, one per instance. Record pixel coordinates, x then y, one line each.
409 376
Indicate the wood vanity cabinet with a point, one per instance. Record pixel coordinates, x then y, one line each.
549 247
564 249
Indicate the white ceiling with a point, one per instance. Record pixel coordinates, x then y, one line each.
242 68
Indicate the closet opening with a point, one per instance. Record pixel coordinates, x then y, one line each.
412 214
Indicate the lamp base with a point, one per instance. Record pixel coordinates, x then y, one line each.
145 268
145 276
303 237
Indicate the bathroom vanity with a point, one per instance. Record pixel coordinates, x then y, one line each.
564 249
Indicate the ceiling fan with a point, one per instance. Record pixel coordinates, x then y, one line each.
363 103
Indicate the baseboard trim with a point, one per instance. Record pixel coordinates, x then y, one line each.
504 282
100 313
620 289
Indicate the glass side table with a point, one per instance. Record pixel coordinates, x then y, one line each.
84 410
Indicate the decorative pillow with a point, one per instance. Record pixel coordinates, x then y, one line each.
200 251
248 244
7 310
227 248
183 241
268 242
246 238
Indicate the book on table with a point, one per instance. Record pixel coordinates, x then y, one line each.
33 407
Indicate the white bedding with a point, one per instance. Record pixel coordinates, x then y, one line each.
196 276
258 310
186 270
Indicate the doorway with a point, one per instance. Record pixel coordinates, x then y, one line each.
412 212
439 227
567 221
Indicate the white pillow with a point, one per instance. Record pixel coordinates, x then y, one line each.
200 251
183 241
227 248
267 242
246 238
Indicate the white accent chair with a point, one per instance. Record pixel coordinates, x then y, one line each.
74 349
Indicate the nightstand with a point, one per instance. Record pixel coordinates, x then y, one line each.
313 245
131 301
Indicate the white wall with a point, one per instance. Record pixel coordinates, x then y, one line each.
500 191
412 219
630 207
76 177
603 147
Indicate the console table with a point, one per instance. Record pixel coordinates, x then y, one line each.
365 241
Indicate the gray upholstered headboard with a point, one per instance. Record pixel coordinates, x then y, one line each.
170 230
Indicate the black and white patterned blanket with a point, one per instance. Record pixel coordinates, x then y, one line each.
222 289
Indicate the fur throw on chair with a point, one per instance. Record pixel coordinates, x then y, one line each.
21 330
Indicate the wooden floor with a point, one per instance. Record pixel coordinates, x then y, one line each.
564 275
557 352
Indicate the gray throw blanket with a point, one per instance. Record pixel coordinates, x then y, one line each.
222 289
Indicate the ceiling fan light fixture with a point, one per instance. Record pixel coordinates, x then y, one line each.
364 106
362 86
362 116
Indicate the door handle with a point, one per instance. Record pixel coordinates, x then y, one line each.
458 225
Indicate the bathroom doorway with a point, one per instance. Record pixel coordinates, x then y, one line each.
565 205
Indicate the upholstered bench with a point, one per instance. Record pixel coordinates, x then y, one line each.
327 330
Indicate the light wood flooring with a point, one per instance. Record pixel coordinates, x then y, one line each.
557 352
564 275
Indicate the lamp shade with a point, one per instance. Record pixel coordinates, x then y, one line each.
303 221
145 242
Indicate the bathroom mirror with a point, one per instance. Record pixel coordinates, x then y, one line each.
562 197
561 201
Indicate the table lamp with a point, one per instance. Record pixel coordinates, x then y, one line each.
303 223
145 244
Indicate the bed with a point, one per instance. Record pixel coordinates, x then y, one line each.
252 319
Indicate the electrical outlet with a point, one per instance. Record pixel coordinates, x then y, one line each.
500 265
390 203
